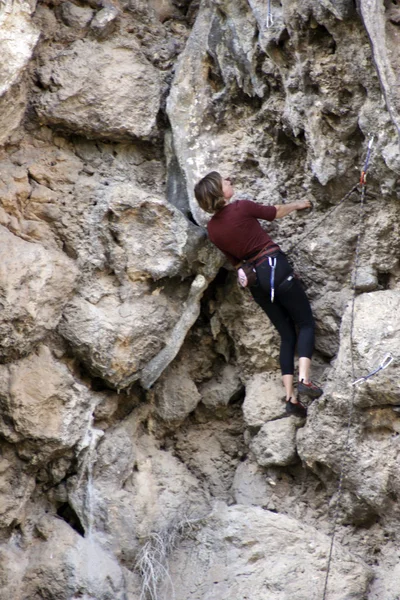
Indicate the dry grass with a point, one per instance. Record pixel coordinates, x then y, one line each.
152 562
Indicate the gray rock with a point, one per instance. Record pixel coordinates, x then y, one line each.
275 444
105 21
217 392
176 395
150 237
250 486
384 41
75 16
264 399
367 280
238 549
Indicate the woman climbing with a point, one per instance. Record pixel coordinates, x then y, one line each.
235 230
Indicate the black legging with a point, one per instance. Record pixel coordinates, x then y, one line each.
290 308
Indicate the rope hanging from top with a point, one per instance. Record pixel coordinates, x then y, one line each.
361 183
387 360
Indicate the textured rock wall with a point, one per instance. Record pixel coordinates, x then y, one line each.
143 441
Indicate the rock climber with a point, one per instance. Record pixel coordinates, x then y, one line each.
234 228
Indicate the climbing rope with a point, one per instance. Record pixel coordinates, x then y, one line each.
383 365
327 214
361 183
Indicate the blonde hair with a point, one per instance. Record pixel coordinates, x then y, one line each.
209 193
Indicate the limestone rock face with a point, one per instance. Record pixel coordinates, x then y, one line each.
17 485
18 37
35 286
43 405
123 104
152 239
143 434
382 23
68 565
375 425
242 548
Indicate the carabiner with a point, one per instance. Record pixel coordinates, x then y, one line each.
387 360
270 20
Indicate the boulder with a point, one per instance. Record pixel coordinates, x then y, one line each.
35 286
264 400
176 394
150 238
43 404
105 21
246 552
116 339
275 443
75 16
107 90
220 390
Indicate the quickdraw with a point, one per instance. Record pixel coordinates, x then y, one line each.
270 18
363 177
387 360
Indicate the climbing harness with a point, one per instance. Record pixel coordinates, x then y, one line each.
247 274
387 360
270 18
272 264
383 365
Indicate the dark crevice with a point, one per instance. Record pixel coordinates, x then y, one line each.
321 37
176 188
384 280
67 514
238 397
214 74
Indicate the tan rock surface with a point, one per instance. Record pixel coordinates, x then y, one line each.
123 106
35 286
107 282
234 554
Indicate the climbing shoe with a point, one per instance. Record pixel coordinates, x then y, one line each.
296 409
309 389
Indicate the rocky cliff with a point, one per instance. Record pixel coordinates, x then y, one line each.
145 451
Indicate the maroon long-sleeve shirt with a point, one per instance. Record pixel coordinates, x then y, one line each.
236 231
